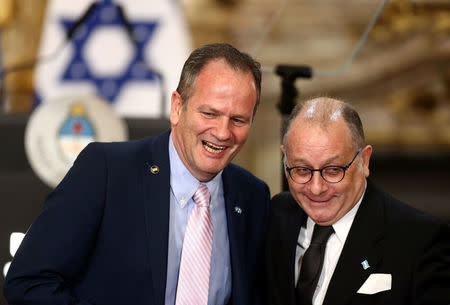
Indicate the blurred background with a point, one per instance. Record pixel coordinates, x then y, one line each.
398 80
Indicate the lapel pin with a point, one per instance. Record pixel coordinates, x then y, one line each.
365 265
154 169
237 210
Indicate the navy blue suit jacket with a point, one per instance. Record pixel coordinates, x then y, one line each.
102 237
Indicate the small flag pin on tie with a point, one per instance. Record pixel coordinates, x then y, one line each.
365 265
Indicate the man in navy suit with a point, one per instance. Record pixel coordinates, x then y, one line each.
112 231
336 238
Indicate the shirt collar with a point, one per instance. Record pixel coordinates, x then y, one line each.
183 183
343 225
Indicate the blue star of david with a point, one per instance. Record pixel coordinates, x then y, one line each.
108 87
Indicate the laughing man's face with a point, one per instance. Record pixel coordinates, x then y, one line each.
215 122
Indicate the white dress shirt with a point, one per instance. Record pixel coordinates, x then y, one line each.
332 252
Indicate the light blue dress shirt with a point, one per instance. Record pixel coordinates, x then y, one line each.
182 187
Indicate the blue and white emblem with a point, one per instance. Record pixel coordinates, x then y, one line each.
365 265
75 133
59 129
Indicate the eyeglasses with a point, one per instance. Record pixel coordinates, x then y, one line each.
331 174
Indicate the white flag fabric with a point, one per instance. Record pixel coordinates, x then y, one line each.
130 53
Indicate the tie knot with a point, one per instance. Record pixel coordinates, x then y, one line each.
202 196
321 234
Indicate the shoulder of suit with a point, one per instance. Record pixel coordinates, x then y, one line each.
282 197
125 153
243 176
123 146
402 215
284 203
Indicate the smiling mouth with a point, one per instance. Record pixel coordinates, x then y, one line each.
215 149
319 201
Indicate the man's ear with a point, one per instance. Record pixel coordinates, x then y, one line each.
366 153
175 108
283 150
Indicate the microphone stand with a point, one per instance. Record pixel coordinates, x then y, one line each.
289 74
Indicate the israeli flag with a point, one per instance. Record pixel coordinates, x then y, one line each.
128 52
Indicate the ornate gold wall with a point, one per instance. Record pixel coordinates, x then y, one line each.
400 81
20 22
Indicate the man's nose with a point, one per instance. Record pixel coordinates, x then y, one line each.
222 131
317 184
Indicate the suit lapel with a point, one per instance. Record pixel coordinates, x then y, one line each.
290 228
363 243
156 190
236 221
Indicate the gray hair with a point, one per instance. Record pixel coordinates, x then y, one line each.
323 111
200 57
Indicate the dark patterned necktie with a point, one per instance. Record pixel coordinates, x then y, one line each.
311 265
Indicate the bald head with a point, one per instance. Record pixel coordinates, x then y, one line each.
324 111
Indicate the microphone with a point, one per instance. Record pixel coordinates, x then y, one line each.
289 73
73 29
126 23
38 59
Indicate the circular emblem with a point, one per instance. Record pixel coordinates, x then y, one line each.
58 130
154 169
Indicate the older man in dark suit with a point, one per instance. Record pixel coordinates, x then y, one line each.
163 220
336 238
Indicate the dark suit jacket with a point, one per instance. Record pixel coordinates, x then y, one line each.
102 237
394 238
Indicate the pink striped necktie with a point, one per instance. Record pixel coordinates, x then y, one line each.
193 278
